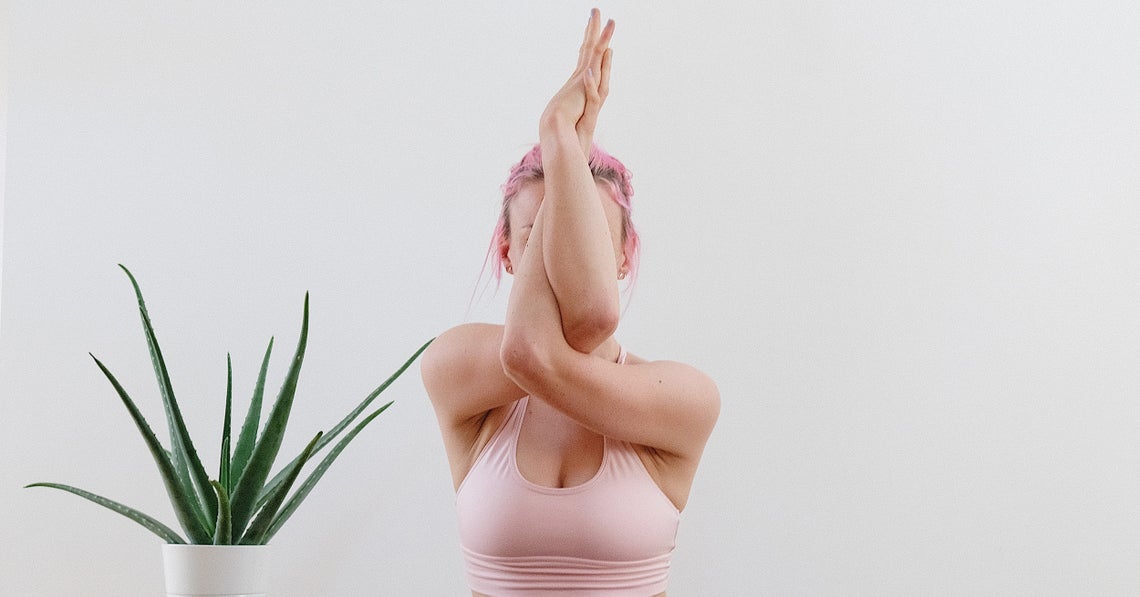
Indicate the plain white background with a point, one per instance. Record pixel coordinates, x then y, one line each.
904 238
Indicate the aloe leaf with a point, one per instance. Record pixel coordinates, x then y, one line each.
183 476
224 468
185 506
224 465
306 487
244 499
252 420
256 533
346 421
149 522
183 446
223 534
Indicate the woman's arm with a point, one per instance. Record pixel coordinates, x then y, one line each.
567 265
664 405
465 380
579 252
464 376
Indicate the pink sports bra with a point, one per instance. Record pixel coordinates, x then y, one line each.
612 535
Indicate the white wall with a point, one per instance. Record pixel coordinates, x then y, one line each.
904 239
3 131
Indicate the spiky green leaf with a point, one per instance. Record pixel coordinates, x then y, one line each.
185 506
248 435
256 533
224 465
307 487
148 522
248 488
182 445
223 530
347 420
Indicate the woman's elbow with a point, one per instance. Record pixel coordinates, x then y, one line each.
596 324
587 335
520 356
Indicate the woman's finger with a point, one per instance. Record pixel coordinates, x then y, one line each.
592 87
588 41
604 81
601 45
607 34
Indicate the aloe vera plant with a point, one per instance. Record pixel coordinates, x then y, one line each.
239 506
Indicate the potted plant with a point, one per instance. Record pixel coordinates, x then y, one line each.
227 520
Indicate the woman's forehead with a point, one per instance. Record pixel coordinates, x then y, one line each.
524 206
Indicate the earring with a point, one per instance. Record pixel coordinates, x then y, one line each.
621 274
510 270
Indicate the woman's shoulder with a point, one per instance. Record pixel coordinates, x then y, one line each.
472 328
463 374
465 335
461 344
700 385
674 366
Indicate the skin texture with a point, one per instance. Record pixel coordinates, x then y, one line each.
557 344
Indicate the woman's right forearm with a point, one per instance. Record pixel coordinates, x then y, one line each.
577 247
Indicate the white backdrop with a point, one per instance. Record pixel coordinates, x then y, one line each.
903 238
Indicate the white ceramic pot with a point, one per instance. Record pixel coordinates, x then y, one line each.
216 570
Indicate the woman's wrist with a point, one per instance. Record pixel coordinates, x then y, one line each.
552 124
558 137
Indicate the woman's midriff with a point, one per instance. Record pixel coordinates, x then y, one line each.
475 594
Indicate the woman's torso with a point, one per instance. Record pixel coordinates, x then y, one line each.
570 461
599 523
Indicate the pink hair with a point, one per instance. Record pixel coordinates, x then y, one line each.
605 168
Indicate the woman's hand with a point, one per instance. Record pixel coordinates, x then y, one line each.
576 106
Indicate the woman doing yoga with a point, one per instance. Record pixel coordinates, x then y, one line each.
571 458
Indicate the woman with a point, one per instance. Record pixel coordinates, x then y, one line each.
571 458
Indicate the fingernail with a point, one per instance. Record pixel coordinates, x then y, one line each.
590 73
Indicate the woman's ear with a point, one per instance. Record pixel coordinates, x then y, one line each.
505 255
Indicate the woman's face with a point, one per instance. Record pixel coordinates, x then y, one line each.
524 208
